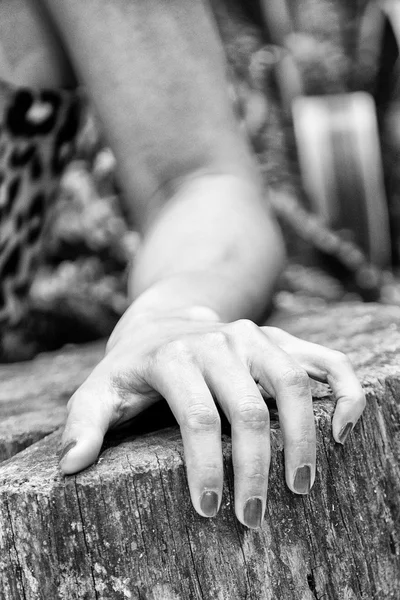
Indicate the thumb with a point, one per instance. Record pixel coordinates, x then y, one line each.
90 414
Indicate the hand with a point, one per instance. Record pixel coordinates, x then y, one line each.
193 361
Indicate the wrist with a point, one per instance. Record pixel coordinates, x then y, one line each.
193 312
187 291
146 309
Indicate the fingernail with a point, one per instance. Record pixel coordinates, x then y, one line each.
302 480
252 515
209 503
66 448
344 432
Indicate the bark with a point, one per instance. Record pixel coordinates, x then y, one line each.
125 528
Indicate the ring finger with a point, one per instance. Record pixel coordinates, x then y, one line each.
284 378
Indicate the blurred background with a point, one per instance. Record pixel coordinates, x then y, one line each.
315 86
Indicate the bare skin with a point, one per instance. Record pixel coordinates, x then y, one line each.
210 257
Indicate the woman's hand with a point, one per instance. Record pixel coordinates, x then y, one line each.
194 362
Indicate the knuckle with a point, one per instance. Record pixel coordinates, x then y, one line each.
254 470
294 377
216 339
210 468
244 327
258 479
341 359
123 387
172 352
200 417
205 471
253 413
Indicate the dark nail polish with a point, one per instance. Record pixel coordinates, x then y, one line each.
302 480
344 432
253 513
209 503
66 448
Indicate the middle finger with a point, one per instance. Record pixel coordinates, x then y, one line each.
241 400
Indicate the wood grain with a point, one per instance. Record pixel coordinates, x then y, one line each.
125 528
34 394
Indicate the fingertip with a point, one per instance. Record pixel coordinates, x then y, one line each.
66 447
345 418
301 479
209 504
79 453
341 430
253 512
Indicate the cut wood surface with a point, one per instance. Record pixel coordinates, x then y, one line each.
34 394
125 528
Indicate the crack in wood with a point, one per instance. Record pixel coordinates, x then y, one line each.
248 591
19 567
311 584
200 589
142 529
85 538
146 472
169 521
342 516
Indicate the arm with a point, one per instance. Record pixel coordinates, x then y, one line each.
211 255
188 175
233 252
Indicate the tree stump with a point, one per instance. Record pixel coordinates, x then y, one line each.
125 528
33 395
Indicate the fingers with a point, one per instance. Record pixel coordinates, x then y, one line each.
185 380
180 382
332 367
284 379
91 411
87 422
226 364
240 398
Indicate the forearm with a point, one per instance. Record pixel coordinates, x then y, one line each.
214 245
185 169
156 73
155 70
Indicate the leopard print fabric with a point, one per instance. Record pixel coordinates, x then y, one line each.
37 139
